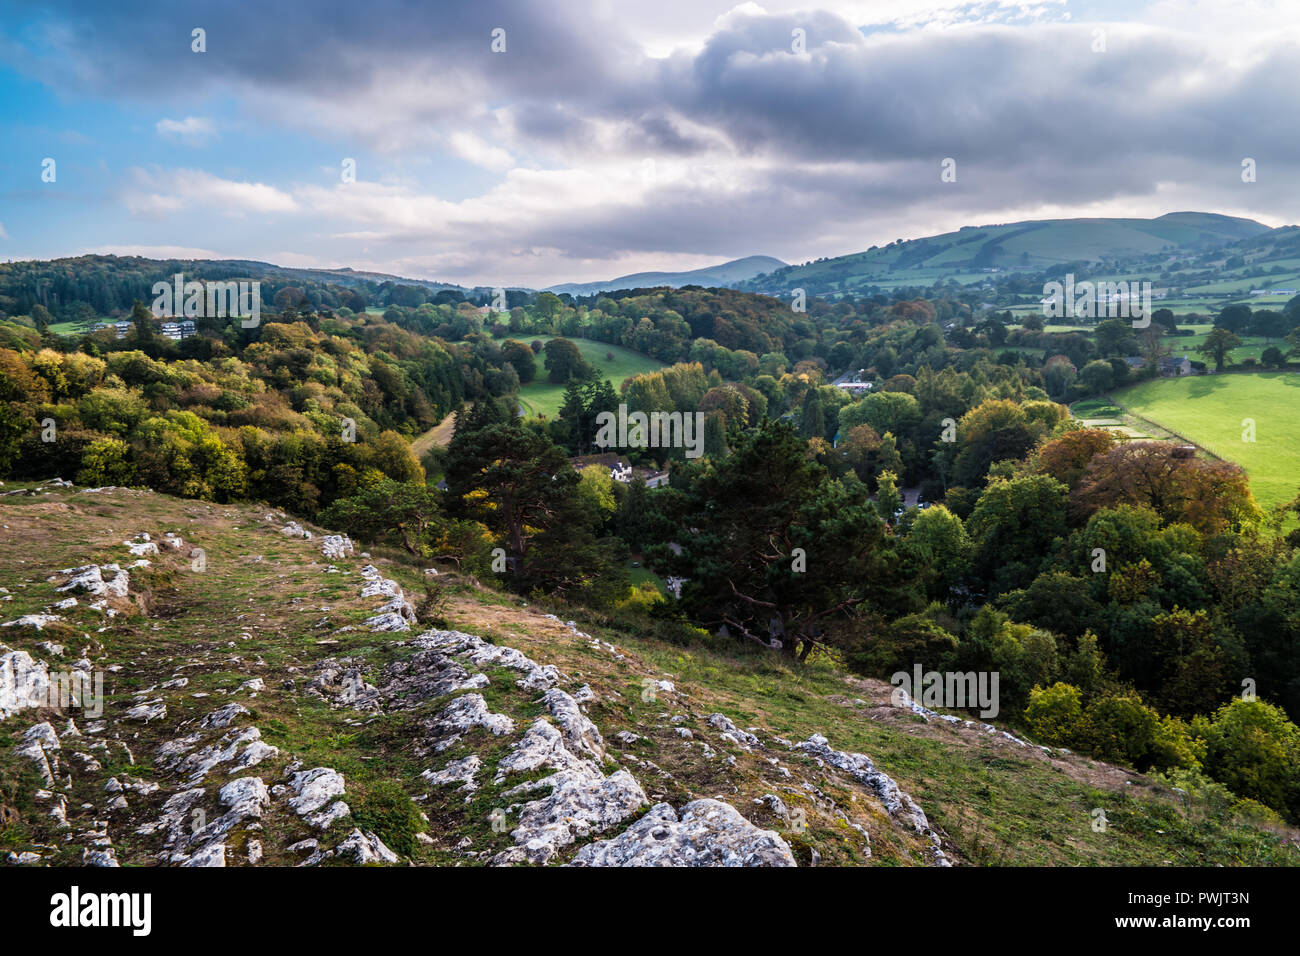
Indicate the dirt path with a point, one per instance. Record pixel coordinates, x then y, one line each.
439 434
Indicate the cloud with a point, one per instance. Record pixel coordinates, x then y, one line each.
156 193
620 137
475 150
191 131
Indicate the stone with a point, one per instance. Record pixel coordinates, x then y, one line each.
315 788
706 833
462 714
222 716
24 682
458 771
723 723
336 546
578 805
146 712
365 848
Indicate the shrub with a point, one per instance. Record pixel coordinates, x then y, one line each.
1055 714
391 815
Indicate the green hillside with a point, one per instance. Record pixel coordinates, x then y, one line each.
544 398
974 252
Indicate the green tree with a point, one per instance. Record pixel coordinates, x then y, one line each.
1219 343
777 550
564 361
1254 750
408 510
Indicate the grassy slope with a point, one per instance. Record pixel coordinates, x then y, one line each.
1209 410
542 398
265 608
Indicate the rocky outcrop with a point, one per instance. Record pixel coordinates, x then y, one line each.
705 833
896 802
24 681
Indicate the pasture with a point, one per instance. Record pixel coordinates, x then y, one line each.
1211 410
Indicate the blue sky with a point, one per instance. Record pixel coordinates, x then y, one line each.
615 137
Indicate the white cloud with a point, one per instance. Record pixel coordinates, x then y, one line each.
159 193
191 131
475 150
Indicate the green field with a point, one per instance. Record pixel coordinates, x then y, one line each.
542 398
1209 409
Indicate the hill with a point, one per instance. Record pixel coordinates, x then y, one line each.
972 253
727 274
270 697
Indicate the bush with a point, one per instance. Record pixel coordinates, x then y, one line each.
1254 750
1055 715
908 641
1122 728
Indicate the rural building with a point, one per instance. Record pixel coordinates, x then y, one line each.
620 469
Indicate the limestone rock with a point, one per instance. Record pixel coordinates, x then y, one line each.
707 833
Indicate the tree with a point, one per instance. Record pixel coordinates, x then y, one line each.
939 541
407 509
857 449
1219 343
518 484
1055 714
1115 337
896 412
1270 323
564 361
1097 377
812 420
1122 728
584 401
1013 526
1066 458
776 550
521 357
1254 750
1209 495
1235 317
889 501
994 430
142 319
511 479
1272 357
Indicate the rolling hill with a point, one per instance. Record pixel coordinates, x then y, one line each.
972 252
727 274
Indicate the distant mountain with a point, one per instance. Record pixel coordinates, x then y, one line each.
972 252
726 274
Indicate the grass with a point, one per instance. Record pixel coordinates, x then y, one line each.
1210 409
543 398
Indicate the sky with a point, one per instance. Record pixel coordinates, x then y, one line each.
502 142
